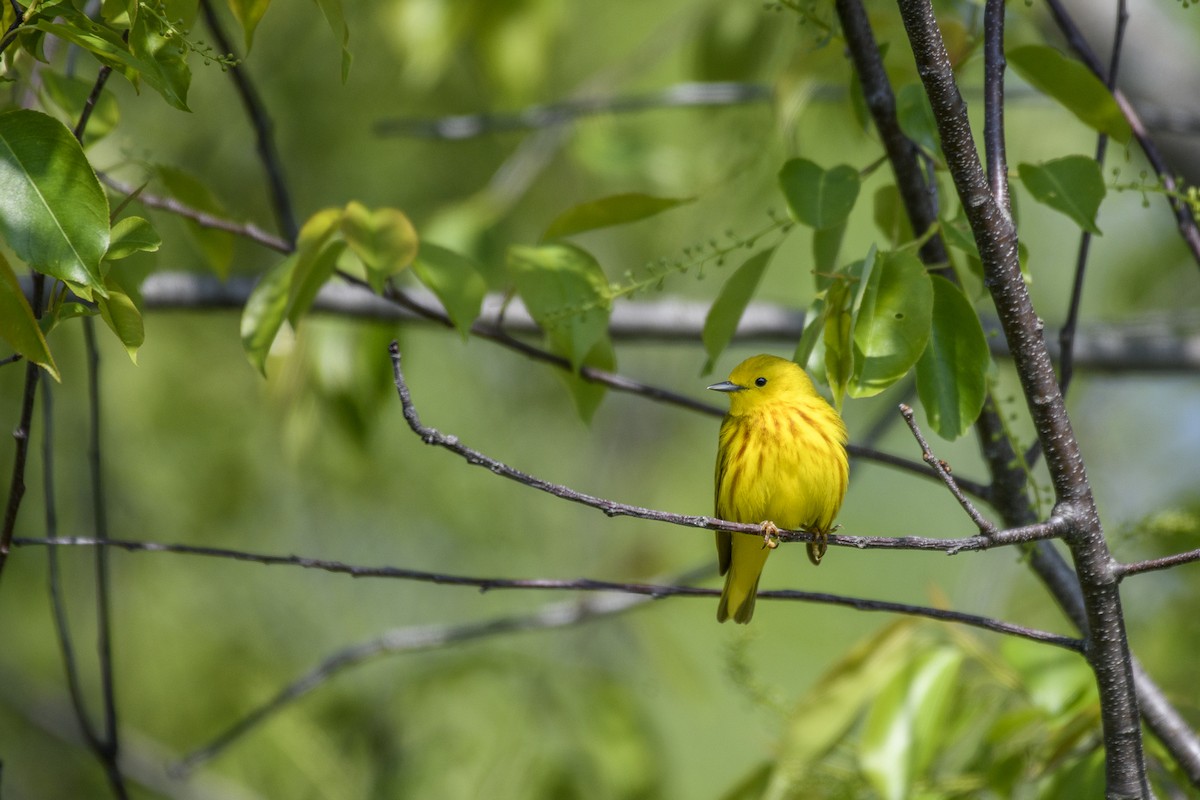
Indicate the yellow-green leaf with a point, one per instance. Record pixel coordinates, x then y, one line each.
817 197
1073 185
457 281
893 312
726 311
608 211
952 372
1073 85
18 326
123 318
566 293
384 240
132 235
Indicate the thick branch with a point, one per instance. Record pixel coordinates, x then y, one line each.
1108 652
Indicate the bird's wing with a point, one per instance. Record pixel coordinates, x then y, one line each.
724 538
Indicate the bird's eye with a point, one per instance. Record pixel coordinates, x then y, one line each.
760 382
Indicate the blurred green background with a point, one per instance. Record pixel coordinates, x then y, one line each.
317 460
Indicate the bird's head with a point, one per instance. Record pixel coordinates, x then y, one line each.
765 379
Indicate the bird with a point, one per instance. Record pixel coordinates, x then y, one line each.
782 463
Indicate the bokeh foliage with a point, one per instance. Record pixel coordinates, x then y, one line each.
783 199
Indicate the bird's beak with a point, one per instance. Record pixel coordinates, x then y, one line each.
726 386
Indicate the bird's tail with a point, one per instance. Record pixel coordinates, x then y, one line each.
735 598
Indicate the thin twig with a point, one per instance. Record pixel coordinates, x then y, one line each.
16 490
203 218
14 358
1188 227
111 749
985 526
263 129
1152 564
89 105
58 604
406 640
682 95
1066 336
612 508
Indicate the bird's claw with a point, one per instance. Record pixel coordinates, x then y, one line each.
770 534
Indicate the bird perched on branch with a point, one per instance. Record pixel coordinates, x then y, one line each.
781 462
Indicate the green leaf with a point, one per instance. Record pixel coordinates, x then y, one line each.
313 270
814 327
53 213
915 116
248 13
265 310
839 357
332 11
588 394
287 290
817 197
826 245
70 94
893 312
902 729
457 281
163 60
618 209
722 319
123 318
384 240
216 246
1073 85
952 372
18 326
132 235
826 713
148 55
566 293
1073 185
61 312
890 215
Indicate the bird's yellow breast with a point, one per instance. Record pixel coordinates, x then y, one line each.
784 462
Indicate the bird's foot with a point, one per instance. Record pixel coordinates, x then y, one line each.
770 534
817 547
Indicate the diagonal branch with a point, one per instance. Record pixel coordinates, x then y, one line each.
407 640
1053 528
1188 227
261 123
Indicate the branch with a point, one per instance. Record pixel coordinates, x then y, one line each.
1066 336
985 527
993 102
203 218
1153 564
917 194
1052 528
1108 651
16 490
1186 222
263 129
406 640
681 95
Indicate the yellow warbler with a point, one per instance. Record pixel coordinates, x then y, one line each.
781 461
